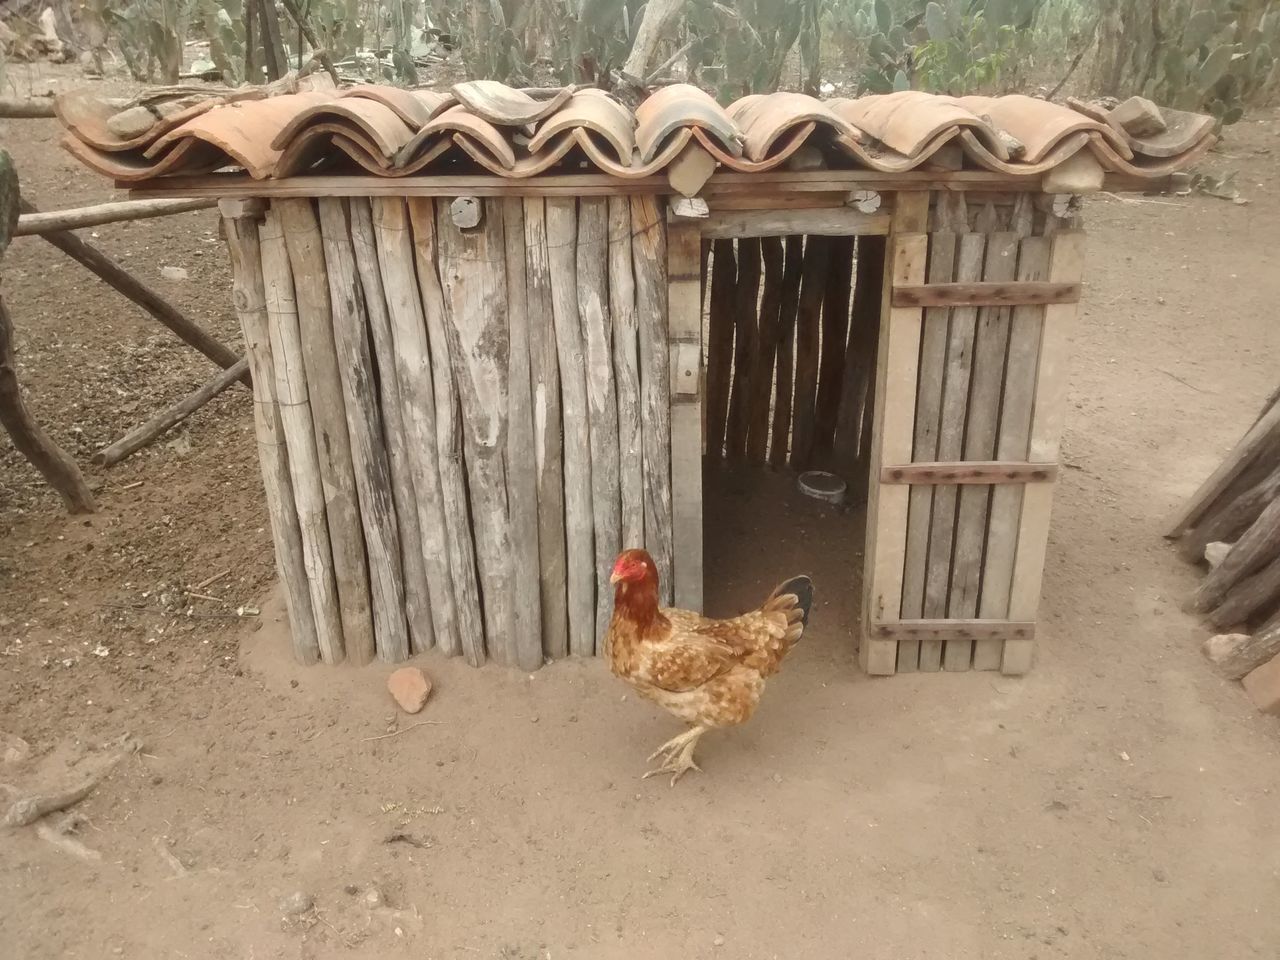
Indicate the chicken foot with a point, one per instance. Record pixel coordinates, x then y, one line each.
677 755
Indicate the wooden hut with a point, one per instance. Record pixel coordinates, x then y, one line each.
494 333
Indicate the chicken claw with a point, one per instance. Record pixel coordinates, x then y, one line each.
677 755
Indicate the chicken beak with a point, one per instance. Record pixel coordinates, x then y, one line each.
614 577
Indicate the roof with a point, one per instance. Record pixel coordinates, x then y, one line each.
391 132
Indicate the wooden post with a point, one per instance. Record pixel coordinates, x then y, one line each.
649 254
626 367
300 440
548 420
785 377
724 279
817 252
745 324
835 336
762 362
329 418
593 300
562 229
474 280
369 461
685 320
897 360
448 441
865 318
1066 264
249 296
522 468
378 304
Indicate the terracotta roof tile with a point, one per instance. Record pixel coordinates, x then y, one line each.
516 133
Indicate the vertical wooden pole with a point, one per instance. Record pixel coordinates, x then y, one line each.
1066 265
835 336
453 484
417 595
410 362
745 345
364 426
897 360
779 442
473 278
724 278
522 468
548 419
813 285
602 401
649 256
626 366
249 296
300 439
766 350
562 231
685 319
328 413
865 317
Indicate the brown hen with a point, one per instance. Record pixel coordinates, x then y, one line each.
709 673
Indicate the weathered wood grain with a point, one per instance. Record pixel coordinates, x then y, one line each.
724 279
762 361
784 377
836 302
813 285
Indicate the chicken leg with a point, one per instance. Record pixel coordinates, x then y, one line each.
677 755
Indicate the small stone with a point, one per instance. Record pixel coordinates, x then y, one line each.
718 941
176 274
373 898
1158 875
351 889
410 687
1139 117
16 750
296 903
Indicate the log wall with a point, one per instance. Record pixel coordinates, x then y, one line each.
460 427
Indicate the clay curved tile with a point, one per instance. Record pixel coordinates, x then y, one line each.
763 119
883 160
377 122
683 105
85 115
908 120
1150 169
1039 124
507 106
188 156
529 166
637 168
1066 147
316 141
592 110
413 107
455 120
1184 130
792 140
245 130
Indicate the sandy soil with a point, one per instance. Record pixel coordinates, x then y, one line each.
1120 801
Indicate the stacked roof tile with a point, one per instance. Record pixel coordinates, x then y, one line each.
515 133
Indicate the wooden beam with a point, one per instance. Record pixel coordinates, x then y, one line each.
28 108
943 630
1013 293
684 318
149 432
79 217
970 471
829 222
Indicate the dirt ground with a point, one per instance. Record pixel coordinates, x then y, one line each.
1120 801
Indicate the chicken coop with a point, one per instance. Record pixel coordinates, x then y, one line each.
494 334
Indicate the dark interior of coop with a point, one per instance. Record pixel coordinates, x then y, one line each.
791 326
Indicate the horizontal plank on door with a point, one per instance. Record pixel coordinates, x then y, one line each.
1012 293
954 630
830 222
970 471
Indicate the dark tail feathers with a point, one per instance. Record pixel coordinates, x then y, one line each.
802 589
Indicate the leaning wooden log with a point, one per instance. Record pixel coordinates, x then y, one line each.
649 257
80 217
57 468
602 401
548 425
1227 519
329 419
448 441
562 231
27 109
522 468
167 419
475 300
364 427
626 368
1234 655
125 283
1257 546
290 390
407 372
249 297
417 593
745 330
1253 595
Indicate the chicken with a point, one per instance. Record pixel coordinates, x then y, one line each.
709 673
